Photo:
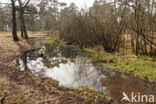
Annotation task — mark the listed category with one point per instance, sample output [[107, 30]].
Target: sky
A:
[[79, 3]]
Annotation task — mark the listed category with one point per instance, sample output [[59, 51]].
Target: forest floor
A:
[[17, 87]]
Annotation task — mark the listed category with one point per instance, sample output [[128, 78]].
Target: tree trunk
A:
[[23, 24], [137, 44], [22, 33], [132, 43], [21, 11], [14, 30]]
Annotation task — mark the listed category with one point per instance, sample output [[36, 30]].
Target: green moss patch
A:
[[141, 66]]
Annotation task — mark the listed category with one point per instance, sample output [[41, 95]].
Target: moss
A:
[[49, 41], [141, 66], [88, 95]]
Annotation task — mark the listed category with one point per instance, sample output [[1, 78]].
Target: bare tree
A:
[[22, 7], [14, 30]]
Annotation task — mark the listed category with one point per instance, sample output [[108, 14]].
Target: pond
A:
[[69, 66]]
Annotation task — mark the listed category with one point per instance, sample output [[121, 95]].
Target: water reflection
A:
[[68, 66]]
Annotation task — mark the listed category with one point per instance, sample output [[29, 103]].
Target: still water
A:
[[72, 69]]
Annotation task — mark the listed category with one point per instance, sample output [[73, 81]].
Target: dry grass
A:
[[54, 35], [22, 93], [9, 48]]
